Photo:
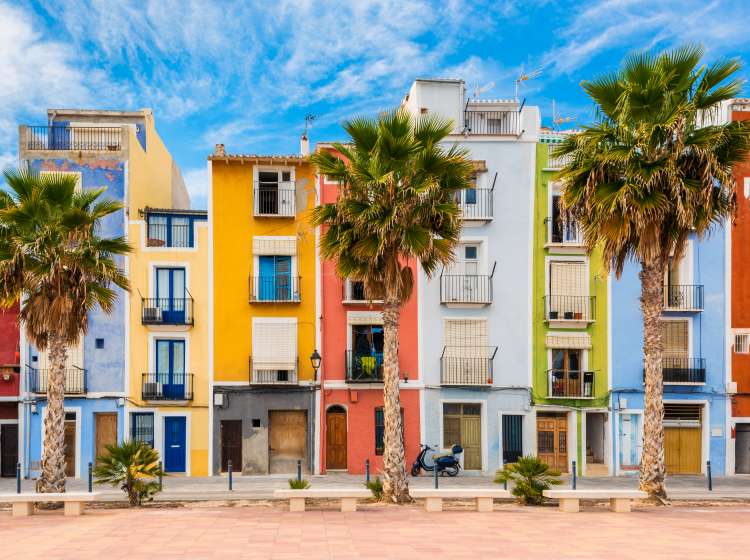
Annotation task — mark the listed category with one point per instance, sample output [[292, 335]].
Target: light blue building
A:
[[694, 366]]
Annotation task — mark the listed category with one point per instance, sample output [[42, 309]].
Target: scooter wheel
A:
[[452, 471], [415, 471]]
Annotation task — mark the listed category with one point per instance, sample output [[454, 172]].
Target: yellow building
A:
[[263, 312]]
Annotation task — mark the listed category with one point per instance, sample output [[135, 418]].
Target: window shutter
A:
[[74, 357], [274, 344], [578, 341], [742, 343], [675, 334], [466, 338], [567, 279], [274, 246]]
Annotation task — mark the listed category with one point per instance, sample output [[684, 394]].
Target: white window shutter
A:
[[274, 344], [274, 246]]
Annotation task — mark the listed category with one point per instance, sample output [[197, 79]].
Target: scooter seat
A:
[[441, 455]]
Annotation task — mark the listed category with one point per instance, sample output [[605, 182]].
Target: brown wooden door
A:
[[70, 448], [105, 431], [552, 441], [682, 450], [287, 440], [335, 440], [8, 449], [231, 445]]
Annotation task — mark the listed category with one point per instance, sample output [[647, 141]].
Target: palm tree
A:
[[654, 168], [396, 205], [53, 259]]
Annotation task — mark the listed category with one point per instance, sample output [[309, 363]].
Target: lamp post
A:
[[315, 359]]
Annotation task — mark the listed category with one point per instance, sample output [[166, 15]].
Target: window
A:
[[568, 289], [275, 278], [467, 358], [380, 429], [676, 343], [171, 291], [142, 427], [274, 195], [564, 229], [742, 343], [566, 377], [170, 369], [367, 353], [165, 230], [274, 358]]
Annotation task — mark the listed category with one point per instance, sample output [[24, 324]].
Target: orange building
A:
[[351, 328]]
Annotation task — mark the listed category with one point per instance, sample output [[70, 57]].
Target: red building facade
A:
[[10, 378], [351, 423]]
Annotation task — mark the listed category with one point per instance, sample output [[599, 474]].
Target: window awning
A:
[[274, 246], [581, 341], [480, 166]]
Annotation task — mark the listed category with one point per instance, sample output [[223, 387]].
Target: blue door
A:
[[174, 443], [275, 280], [170, 368], [170, 294]]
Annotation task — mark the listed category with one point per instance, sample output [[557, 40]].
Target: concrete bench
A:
[[619, 500], [433, 498], [347, 496], [23, 504]]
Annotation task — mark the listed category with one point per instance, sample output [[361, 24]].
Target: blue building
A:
[[121, 152], [694, 363]]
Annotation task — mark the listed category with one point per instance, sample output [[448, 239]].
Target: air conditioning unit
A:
[[150, 390], [152, 314]]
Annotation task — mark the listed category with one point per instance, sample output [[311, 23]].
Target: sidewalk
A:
[[261, 487]]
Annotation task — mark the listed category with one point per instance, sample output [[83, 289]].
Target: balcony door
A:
[[465, 273], [170, 294], [275, 193], [170, 368], [566, 372], [367, 351], [676, 356], [275, 278], [568, 289]]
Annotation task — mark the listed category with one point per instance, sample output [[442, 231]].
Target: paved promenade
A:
[[511, 532], [262, 487]]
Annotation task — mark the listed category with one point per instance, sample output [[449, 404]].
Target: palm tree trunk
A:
[[52, 477], [395, 485], [652, 460]]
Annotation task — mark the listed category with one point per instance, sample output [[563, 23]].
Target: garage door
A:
[[682, 438]]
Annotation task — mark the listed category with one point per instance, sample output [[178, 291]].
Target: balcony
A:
[[467, 365], [686, 298], [492, 123], [475, 204], [273, 374], [680, 370], [353, 292], [272, 202], [75, 138], [167, 386], [75, 380], [275, 289], [564, 236], [466, 289], [364, 367], [167, 311], [555, 162], [573, 384], [569, 311]]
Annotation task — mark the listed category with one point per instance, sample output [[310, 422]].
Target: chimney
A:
[[304, 145], [219, 150]]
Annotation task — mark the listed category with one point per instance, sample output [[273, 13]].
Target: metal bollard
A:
[[367, 471], [574, 480], [229, 474], [299, 469], [161, 484], [435, 475], [505, 484], [18, 478], [91, 478], [708, 473]]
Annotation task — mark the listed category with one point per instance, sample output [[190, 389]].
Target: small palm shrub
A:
[[376, 487], [134, 467], [530, 477], [299, 483]]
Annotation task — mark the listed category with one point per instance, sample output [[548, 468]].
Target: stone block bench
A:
[[23, 504], [347, 496], [433, 498], [619, 500]]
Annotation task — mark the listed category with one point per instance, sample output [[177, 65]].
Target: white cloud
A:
[[196, 181]]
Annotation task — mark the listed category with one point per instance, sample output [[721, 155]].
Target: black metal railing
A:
[[88, 138], [683, 297], [275, 289], [679, 369], [569, 308], [501, 123], [563, 231], [570, 383], [475, 204], [556, 162], [467, 365], [167, 311], [467, 288], [75, 380], [269, 374], [364, 366], [169, 235], [167, 386], [275, 201]]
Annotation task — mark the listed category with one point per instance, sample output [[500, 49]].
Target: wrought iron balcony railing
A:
[[167, 386], [467, 288], [271, 374], [363, 367], [570, 383], [167, 311], [563, 232], [467, 365], [475, 204], [555, 162], [684, 297], [75, 380], [495, 123], [680, 369], [569, 308], [78, 138], [275, 202], [275, 289]]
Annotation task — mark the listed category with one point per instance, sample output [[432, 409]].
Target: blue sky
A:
[[246, 73]]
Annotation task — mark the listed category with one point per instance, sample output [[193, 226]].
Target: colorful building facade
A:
[[10, 383], [570, 386], [263, 313]]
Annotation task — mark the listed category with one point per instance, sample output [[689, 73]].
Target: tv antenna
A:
[[309, 118], [558, 119], [525, 77], [480, 90]]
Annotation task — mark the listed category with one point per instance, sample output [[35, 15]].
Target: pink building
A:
[[9, 390]]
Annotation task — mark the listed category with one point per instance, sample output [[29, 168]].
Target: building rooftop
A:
[[183, 211], [99, 113]]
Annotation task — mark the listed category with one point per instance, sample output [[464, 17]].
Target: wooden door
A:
[[682, 449], [552, 441], [70, 448], [462, 425], [105, 431], [287, 440], [336, 440], [8, 449], [231, 445], [471, 441]]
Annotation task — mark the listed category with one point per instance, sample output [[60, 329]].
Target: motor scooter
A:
[[446, 463]]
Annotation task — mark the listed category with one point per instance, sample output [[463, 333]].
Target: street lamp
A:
[[315, 362]]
